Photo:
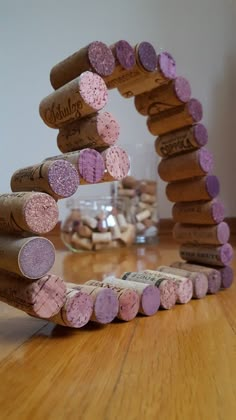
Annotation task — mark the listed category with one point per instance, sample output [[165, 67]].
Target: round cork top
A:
[[147, 56], [101, 58], [93, 90], [125, 55], [91, 165], [212, 185], [167, 65], [41, 213], [63, 178], [182, 89], [195, 109], [200, 134], [36, 257], [108, 128]]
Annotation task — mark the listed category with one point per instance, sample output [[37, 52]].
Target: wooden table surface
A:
[[179, 364]]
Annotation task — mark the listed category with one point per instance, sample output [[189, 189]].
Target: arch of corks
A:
[[87, 139]]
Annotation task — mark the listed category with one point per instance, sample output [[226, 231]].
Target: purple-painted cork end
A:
[[212, 185], [147, 56], [223, 232], [218, 211], [91, 165], [150, 300], [167, 65], [214, 282], [101, 58], [226, 254], [125, 54], [227, 276], [200, 134], [182, 89], [205, 160], [195, 109], [63, 178], [36, 258], [106, 306]]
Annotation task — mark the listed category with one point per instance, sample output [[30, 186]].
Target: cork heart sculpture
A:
[[87, 139]]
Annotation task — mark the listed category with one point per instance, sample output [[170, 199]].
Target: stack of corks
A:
[[187, 167], [139, 205]]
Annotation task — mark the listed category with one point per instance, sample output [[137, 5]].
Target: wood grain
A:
[[179, 364]]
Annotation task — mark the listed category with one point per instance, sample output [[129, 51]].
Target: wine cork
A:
[[76, 311], [59, 179], [80, 97], [84, 231], [117, 163], [148, 187], [175, 118], [183, 285], [199, 280], [127, 237], [166, 287], [81, 243], [203, 254], [96, 57], [88, 162], [149, 295], [198, 189], [126, 192], [204, 213], [180, 141], [42, 298], [197, 234], [188, 165], [227, 276], [96, 132], [30, 257], [129, 182], [164, 71], [167, 96], [143, 215], [128, 300], [28, 211], [90, 221], [148, 198], [105, 302], [101, 237], [122, 222], [124, 62], [213, 276]]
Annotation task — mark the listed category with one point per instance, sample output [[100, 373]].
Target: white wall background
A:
[[37, 34]]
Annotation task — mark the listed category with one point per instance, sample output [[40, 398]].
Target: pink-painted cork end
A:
[[50, 295], [128, 305], [223, 232], [117, 162], [101, 58], [184, 290], [147, 56], [205, 159], [182, 89], [108, 128], [167, 65], [36, 257], [214, 281], [200, 285], [63, 178], [91, 165], [93, 90], [167, 294], [200, 134], [195, 109], [41, 213], [124, 54], [218, 211], [78, 310]]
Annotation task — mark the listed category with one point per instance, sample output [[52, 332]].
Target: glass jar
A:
[[96, 224], [138, 192]]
